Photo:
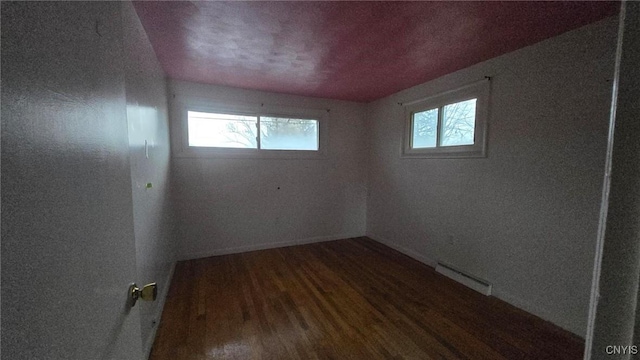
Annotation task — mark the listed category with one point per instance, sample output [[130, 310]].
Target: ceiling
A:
[[358, 51]]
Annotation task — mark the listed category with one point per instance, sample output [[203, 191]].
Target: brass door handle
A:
[[148, 292]]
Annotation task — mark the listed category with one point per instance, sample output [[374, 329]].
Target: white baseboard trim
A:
[[496, 291], [263, 246], [410, 253], [162, 298]]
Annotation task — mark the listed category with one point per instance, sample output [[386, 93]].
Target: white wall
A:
[[147, 117], [615, 311], [68, 252], [524, 218], [230, 205]]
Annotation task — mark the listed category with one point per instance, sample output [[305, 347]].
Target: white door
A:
[[68, 251]]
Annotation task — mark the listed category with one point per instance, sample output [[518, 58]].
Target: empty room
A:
[[320, 180]]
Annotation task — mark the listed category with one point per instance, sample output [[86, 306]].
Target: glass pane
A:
[[458, 123], [222, 130], [288, 134], [424, 129]]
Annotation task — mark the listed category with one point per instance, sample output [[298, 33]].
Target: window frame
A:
[[180, 126], [478, 90]]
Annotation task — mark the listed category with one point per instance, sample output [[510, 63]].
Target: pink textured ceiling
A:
[[359, 51]]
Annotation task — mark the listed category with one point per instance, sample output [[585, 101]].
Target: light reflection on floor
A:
[[237, 349]]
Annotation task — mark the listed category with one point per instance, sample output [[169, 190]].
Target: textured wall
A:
[[148, 122], [231, 205], [68, 251], [524, 218]]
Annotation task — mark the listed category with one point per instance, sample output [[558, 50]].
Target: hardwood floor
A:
[[346, 299]]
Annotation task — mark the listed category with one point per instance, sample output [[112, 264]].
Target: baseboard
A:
[[409, 252], [480, 285], [162, 298], [496, 291], [263, 246]]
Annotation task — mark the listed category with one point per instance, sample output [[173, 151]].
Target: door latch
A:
[[148, 292]]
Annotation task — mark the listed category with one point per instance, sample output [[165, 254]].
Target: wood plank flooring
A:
[[345, 299]]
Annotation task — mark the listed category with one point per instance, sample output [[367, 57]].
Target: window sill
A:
[[443, 154], [211, 153]]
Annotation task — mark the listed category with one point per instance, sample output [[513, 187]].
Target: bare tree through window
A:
[[457, 125], [425, 128], [222, 130], [288, 134], [241, 131]]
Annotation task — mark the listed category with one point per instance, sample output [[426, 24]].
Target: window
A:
[[239, 131], [222, 130], [213, 130], [288, 134], [448, 125]]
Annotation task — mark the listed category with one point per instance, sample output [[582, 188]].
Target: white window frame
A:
[[180, 123], [478, 90]]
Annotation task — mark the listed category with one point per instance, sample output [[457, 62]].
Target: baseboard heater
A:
[[479, 285]]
